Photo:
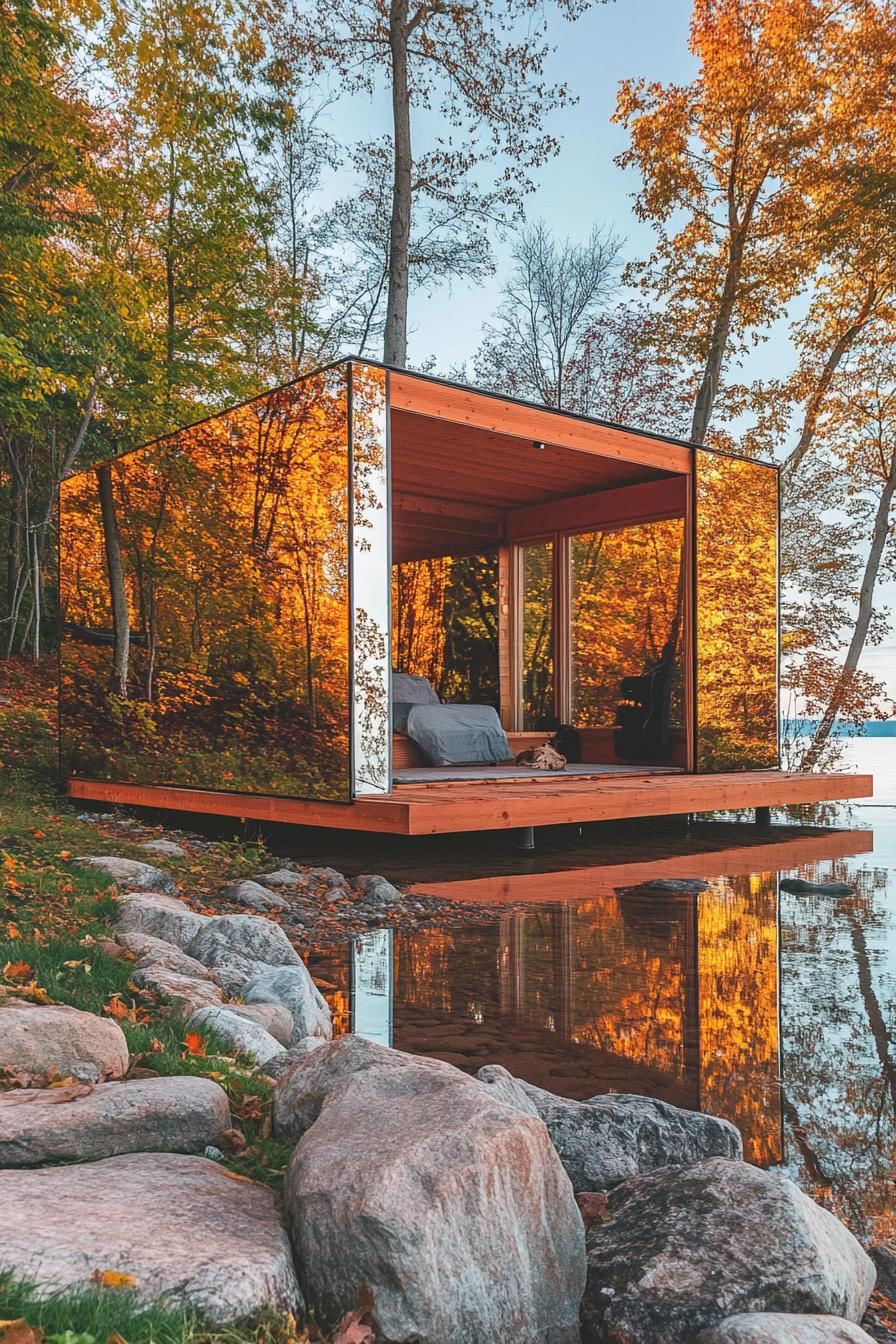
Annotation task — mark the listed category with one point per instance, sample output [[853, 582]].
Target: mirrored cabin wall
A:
[[205, 607], [736, 628], [370, 579]]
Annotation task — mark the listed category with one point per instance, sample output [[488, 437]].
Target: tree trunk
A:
[[121, 619], [718, 341], [14, 540], [863, 619], [395, 341], [813, 406], [170, 295]]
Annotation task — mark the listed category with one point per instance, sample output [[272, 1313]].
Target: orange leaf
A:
[[195, 1043], [17, 970], [115, 1008], [20, 1332], [12, 931], [113, 1278], [65, 853], [353, 1329]]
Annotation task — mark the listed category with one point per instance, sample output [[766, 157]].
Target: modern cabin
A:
[[355, 600]]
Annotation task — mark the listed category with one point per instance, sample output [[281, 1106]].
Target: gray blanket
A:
[[459, 734]]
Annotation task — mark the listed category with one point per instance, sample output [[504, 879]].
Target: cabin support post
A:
[[527, 838], [764, 818]]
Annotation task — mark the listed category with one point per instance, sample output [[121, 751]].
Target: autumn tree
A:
[[540, 331], [727, 166], [481, 69]]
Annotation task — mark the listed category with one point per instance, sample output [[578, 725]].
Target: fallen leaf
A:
[[232, 1140], [353, 1329], [20, 1332], [17, 970], [115, 1008], [12, 932], [593, 1207], [236, 1176], [113, 1278], [73, 1093], [194, 1043]]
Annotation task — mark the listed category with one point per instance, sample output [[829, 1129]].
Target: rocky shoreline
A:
[[444, 1208]]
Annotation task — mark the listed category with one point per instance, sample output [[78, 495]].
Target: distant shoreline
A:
[[871, 728]]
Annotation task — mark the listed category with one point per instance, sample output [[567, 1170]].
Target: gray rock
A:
[[611, 1138], [293, 988], [186, 1232], [775, 1327], [163, 917], [167, 848], [272, 1016], [239, 1034], [149, 949], [148, 1115], [238, 946], [799, 886], [504, 1087], [38, 1041], [453, 1209], [305, 880], [280, 1065], [686, 1247], [255, 896], [186, 993], [131, 874], [375, 890], [300, 1096], [684, 885]]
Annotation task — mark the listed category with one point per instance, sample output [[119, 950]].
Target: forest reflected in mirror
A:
[[737, 614], [204, 603], [771, 1009]]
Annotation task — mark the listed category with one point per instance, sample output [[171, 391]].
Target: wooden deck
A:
[[444, 808]]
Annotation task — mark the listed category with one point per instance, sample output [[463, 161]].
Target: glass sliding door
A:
[[537, 630], [736, 638]]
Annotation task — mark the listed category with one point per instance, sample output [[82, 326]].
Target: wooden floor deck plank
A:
[[445, 808]]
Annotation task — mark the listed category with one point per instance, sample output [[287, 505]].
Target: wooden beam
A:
[[435, 506], [421, 396], [601, 510]]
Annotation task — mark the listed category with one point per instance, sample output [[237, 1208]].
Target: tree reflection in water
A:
[[777, 1012]]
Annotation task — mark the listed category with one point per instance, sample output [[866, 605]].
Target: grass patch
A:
[[105, 1316]]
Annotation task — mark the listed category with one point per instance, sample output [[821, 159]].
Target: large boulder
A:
[[238, 946], [151, 951], [41, 1041], [184, 993], [610, 1138], [255, 896], [293, 989], [451, 1208], [148, 1115], [272, 1016], [179, 1225], [685, 1247], [376, 891], [301, 1095], [163, 917], [131, 874], [280, 1065], [310, 881], [775, 1327], [239, 1034]]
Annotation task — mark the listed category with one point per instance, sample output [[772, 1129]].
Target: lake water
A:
[[775, 1010]]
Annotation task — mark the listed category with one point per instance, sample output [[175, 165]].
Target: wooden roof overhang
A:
[[471, 471]]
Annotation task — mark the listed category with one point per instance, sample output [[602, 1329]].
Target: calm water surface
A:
[[775, 1010]]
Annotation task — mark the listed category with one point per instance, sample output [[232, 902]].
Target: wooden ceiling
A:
[[453, 484]]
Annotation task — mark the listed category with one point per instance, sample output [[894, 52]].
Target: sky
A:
[[582, 186]]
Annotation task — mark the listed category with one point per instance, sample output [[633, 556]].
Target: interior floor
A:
[[431, 774]]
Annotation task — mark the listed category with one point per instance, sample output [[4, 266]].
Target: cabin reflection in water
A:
[[670, 995]]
